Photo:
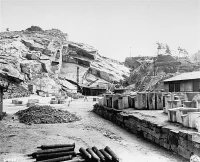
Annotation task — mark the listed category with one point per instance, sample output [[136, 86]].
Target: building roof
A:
[[185, 76]]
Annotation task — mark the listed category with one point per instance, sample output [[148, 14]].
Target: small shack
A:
[[93, 91], [120, 90], [185, 82]]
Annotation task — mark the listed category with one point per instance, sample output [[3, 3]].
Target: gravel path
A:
[[18, 139]]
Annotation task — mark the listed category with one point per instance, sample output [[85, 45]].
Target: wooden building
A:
[[185, 82], [93, 91], [120, 90]]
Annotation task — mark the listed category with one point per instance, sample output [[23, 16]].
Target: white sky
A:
[[111, 26]]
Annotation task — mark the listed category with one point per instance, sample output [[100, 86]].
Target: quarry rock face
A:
[[46, 57], [147, 73]]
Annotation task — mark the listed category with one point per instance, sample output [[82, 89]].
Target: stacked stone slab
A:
[[179, 141], [17, 102], [185, 110], [58, 100], [141, 101], [32, 102]]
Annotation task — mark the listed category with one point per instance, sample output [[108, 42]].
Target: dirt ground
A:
[[17, 139]]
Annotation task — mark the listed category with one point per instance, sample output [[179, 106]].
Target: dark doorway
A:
[[171, 87], [195, 86]]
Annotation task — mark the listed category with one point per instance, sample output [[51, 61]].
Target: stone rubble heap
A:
[[45, 115], [15, 92]]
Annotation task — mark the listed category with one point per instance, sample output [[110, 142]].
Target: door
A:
[[177, 87], [171, 87], [195, 86], [1, 100]]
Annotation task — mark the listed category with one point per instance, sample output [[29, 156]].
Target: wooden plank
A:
[[1, 100]]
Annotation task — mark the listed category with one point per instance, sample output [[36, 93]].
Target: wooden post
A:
[[1, 100]]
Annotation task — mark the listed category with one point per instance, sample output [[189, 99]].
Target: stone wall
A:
[[181, 142]]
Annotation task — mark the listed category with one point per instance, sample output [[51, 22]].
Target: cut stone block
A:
[[167, 104], [14, 101], [172, 114], [185, 120], [184, 110], [142, 100], [120, 103], [54, 102], [151, 101], [159, 101], [131, 101], [30, 104], [125, 101], [183, 152], [198, 124], [33, 100], [61, 101], [19, 102], [192, 116], [170, 104], [187, 103], [101, 101], [114, 100], [176, 103]]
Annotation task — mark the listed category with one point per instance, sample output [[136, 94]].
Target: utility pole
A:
[[40, 83], [77, 75], [178, 60], [154, 64], [154, 70], [130, 51]]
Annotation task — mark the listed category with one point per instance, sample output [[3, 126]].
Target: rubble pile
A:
[[16, 92], [45, 115]]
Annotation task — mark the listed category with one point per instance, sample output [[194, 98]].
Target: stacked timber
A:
[[54, 153], [66, 152], [98, 155]]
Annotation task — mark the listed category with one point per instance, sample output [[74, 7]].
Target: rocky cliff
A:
[[148, 72], [48, 60]]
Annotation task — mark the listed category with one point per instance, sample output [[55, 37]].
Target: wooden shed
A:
[[93, 91], [185, 82]]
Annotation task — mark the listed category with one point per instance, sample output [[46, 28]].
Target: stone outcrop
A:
[[46, 57], [147, 73]]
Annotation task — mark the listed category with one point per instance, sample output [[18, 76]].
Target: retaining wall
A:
[[179, 141]]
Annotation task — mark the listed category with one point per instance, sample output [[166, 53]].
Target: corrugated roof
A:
[[185, 76]]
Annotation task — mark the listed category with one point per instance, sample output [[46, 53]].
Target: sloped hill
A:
[[195, 58], [45, 58], [92, 65], [150, 73]]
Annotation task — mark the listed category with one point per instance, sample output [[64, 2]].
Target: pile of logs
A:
[[95, 155], [65, 152], [54, 153]]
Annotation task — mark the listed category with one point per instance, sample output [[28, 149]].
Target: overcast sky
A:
[[111, 26]]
